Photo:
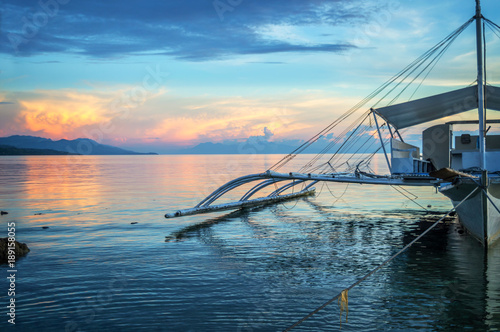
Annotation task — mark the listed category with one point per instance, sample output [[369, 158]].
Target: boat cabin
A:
[[440, 149]]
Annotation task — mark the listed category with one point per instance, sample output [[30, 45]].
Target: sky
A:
[[161, 75]]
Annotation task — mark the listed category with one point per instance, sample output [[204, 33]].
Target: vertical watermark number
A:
[[11, 261]]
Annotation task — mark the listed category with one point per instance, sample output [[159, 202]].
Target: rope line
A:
[[419, 68], [491, 201], [400, 190], [336, 297], [340, 197]]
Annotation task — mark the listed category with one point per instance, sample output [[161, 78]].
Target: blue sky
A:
[[150, 75]]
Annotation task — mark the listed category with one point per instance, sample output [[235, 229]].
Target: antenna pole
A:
[[480, 86]]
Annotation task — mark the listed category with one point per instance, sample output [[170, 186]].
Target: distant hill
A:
[[260, 147], [7, 150], [82, 146]]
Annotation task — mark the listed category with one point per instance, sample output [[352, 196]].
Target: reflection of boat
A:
[[493, 289], [462, 294], [465, 168]]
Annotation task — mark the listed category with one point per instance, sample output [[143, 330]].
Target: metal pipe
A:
[[285, 187], [245, 179], [258, 187], [238, 205], [353, 179], [480, 86], [224, 189], [382, 142]]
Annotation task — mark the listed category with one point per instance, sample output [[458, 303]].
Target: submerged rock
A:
[[3, 212], [21, 249]]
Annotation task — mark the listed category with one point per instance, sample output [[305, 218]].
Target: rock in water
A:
[[3, 212], [21, 249]]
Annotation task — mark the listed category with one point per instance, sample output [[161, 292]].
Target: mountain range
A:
[[20, 144], [262, 147]]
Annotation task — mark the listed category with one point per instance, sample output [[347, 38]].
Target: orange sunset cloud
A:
[[61, 114], [171, 119]]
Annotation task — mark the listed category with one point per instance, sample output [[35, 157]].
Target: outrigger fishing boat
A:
[[465, 167]]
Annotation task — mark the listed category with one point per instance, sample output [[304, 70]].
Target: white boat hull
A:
[[479, 214]]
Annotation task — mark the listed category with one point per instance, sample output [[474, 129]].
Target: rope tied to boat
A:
[[339, 297]]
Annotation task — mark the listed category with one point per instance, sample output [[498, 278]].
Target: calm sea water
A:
[[110, 261]]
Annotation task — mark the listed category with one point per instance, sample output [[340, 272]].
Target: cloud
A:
[[164, 118], [53, 113], [190, 30], [267, 133], [216, 120], [6, 103]]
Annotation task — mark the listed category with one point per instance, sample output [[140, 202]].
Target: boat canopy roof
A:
[[438, 106]]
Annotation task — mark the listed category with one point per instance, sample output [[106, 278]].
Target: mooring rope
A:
[[345, 291], [491, 201], [486, 194]]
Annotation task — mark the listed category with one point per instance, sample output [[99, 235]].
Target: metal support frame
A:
[[480, 86], [228, 187], [399, 135], [382, 142], [390, 130], [270, 177], [258, 187], [290, 185], [396, 131], [231, 185]]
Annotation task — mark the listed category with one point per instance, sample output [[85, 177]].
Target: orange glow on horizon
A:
[[241, 124], [167, 119]]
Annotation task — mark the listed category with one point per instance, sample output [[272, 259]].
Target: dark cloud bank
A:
[[194, 30]]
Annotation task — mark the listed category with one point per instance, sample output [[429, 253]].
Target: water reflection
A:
[[47, 185], [493, 288], [444, 282], [258, 270]]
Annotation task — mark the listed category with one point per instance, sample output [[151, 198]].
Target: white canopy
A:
[[439, 106]]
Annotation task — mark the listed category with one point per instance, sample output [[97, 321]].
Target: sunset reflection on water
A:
[[92, 218]]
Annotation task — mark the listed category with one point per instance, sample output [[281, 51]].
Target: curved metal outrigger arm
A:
[[270, 178], [230, 186], [260, 186], [290, 185]]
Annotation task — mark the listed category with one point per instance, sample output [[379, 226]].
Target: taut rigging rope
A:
[[425, 62]]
